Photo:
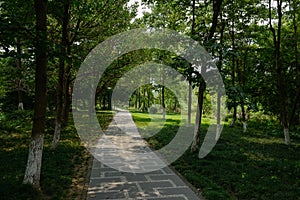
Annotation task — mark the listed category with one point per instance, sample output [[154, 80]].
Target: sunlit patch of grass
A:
[[269, 140], [258, 157], [105, 118]]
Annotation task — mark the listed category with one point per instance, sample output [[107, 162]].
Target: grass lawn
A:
[[64, 171], [252, 165]]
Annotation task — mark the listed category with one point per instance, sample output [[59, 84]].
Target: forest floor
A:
[[252, 165], [64, 171]]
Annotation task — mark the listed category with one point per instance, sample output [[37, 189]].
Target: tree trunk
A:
[[19, 66], [217, 4], [109, 94], [279, 70], [163, 104], [67, 82], [144, 107], [219, 65], [244, 118], [196, 138], [34, 162], [242, 82], [67, 101], [139, 97], [233, 77], [297, 65], [20, 96], [61, 72], [190, 104], [218, 131], [136, 100], [149, 96]]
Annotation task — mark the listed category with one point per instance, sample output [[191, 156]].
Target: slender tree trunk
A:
[[109, 99], [217, 4], [244, 118], [34, 162], [19, 66], [233, 77], [218, 131], [190, 74], [219, 65], [136, 100], [297, 64], [175, 106], [67, 101], [144, 100], [163, 96], [279, 70], [67, 81], [196, 138], [139, 98], [163, 102], [242, 82], [20, 96], [61, 72], [149, 96], [190, 104]]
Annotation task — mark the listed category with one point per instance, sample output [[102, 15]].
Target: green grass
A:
[[58, 167], [252, 165]]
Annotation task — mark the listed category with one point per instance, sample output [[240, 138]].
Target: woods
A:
[[254, 44]]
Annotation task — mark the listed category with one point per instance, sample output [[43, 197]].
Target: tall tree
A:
[[282, 97], [34, 162], [61, 72], [217, 5], [294, 9]]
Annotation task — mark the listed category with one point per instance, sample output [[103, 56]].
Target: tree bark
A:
[[217, 4], [61, 72], [19, 66], [67, 80], [34, 162], [163, 96], [244, 118], [242, 83], [196, 138], [233, 77], [139, 98], [279, 70], [297, 65], [189, 104], [67, 100], [219, 65]]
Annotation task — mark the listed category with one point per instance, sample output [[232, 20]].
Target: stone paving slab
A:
[[163, 184]]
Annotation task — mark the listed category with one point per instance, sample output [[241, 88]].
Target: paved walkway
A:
[[118, 180]]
